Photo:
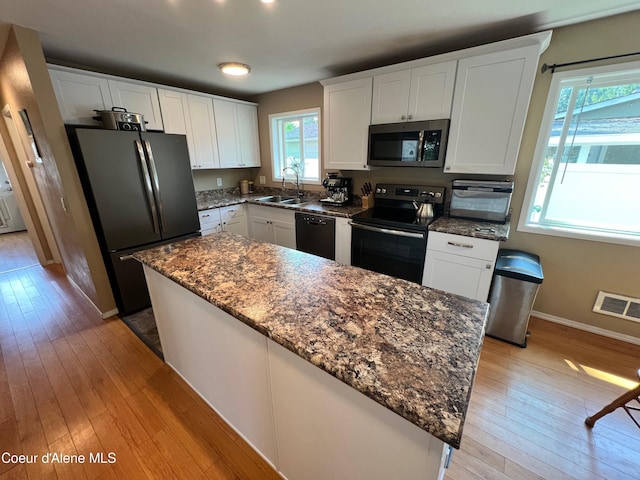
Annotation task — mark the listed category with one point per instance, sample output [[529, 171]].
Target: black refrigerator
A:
[[140, 194]]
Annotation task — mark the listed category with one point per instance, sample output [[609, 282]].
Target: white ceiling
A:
[[287, 43]]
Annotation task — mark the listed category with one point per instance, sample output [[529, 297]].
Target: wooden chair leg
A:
[[621, 401]]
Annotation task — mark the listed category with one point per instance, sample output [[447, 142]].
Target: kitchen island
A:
[[327, 370]]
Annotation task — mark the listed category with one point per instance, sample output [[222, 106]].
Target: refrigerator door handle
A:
[[148, 188], [156, 184]]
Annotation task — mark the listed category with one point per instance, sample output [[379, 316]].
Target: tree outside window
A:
[[584, 179]]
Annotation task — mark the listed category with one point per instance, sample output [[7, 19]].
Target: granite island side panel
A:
[[412, 349]]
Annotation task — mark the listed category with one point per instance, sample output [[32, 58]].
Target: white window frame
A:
[[621, 72], [276, 144]]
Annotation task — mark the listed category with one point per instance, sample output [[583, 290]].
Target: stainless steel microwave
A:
[[408, 144]]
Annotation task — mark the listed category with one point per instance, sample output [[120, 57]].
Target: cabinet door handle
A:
[[463, 245], [207, 215], [410, 117]]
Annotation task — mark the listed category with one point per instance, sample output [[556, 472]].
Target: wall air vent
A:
[[618, 306]]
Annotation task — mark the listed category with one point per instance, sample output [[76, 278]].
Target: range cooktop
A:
[[395, 206]]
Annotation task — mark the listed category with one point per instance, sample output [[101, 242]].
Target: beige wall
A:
[[25, 83], [288, 100], [574, 269], [231, 177]]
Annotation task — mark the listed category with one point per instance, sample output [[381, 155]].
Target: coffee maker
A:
[[338, 190]]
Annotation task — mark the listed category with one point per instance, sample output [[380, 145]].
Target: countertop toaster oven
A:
[[481, 200]]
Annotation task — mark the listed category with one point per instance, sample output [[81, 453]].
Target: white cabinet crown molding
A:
[[542, 39], [107, 76]]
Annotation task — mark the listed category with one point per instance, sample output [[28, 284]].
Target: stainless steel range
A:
[[391, 237]]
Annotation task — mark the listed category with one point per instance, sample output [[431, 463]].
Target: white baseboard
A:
[[104, 315], [587, 328]]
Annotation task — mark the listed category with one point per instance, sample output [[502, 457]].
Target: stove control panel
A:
[[418, 193]]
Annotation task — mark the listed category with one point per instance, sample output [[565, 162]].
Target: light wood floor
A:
[[528, 406], [75, 384], [16, 251]]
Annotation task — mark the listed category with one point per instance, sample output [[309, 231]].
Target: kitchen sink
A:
[[276, 199], [282, 200]]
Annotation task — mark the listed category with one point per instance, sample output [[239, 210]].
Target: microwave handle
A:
[[421, 138]]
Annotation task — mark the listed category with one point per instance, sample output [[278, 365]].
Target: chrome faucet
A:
[[297, 180]]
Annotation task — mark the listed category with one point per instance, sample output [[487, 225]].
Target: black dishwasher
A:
[[316, 234]]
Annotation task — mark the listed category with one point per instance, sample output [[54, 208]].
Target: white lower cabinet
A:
[[326, 429], [306, 423], [210, 221], [343, 241], [234, 220], [272, 225], [460, 265], [221, 358], [225, 219]]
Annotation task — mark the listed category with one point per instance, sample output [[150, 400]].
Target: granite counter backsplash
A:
[[412, 349]]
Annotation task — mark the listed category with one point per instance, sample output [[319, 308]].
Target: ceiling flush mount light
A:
[[234, 68]]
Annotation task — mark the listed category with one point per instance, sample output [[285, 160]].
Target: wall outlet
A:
[[219, 181], [263, 180]]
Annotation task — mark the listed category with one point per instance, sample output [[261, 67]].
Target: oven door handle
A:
[[388, 231]]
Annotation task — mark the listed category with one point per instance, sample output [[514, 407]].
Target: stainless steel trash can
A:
[[516, 280]]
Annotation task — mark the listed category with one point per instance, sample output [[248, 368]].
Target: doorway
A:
[[31, 231], [16, 249]]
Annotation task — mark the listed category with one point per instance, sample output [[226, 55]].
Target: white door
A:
[[10, 218]]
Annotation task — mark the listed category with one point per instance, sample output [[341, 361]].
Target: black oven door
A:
[[398, 253]]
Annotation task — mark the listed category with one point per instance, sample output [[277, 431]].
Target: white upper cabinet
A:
[[230, 135], [421, 93], [490, 106], [347, 114], [176, 118], [237, 126], [79, 94], [137, 98], [203, 128], [248, 135], [229, 141], [192, 116]]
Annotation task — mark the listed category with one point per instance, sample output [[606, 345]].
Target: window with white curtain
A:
[[295, 145], [585, 177]]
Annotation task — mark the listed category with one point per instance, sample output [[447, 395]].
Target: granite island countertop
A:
[[412, 349]]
